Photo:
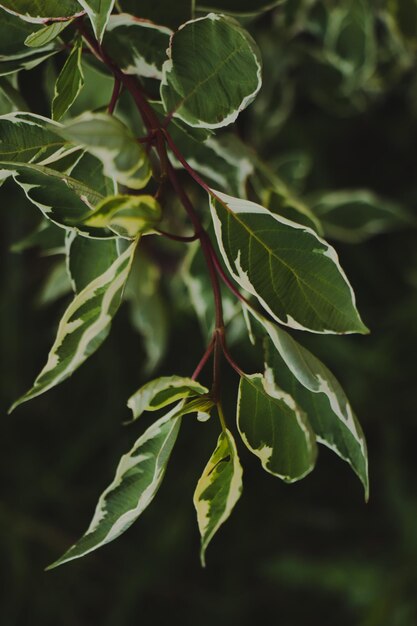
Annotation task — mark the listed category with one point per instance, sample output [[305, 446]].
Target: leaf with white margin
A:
[[275, 429], [46, 34], [294, 274], [162, 391], [218, 489], [126, 215], [108, 139], [138, 478], [39, 12], [213, 72], [88, 258], [69, 82], [99, 13], [84, 326], [28, 138], [137, 46], [316, 390]]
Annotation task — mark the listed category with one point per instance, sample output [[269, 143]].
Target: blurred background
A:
[[337, 122]]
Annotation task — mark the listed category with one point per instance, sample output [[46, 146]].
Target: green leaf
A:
[[137, 46], [356, 215], [160, 11], [27, 138], [108, 139], [69, 83], [126, 215], [46, 34], [99, 13], [238, 7], [294, 273], [319, 394], [55, 286], [88, 258], [138, 478], [48, 237], [212, 74], [275, 429], [84, 326], [163, 391], [218, 489], [40, 11], [149, 313]]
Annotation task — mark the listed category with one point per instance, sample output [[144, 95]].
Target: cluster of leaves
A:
[[115, 182]]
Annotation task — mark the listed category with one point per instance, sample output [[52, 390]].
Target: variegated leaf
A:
[[126, 215], [36, 11], [319, 394], [108, 139], [275, 429], [138, 478], [99, 13], [88, 258], [163, 391], [294, 274], [205, 56], [218, 489], [84, 325], [29, 138], [137, 46], [69, 82], [46, 34]]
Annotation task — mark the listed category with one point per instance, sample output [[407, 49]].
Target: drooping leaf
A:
[[108, 139], [39, 12], [315, 389], [126, 215], [356, 215], [84, 326], [46, 34], [163, 391], [99, 13], [293, 273], [138, 478], [218, 489], [213, 72], [88, 258], [137, 46], [69, 83], [275, 429]]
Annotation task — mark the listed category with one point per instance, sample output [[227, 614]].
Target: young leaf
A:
[[163, 391], [88, 258], [218, 489], [319, 394], [99, 13], [293, 273], [213, 72], [108, 139], [138, 478], [126, 215], [137, 46], [84, 326], [46, 34], [275, 429], [69, 83], [40, 12]]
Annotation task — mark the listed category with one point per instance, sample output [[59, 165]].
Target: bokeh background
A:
[[338, 112]]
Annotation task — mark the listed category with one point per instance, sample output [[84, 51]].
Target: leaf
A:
[[46, 34], [213, 72], [160, 392], [356, 215], [126, 215], [99, 13], [138, 478], [39, 12], [108, 139], [160, 11], [48, 237], [28, 138], [88, 258], [294, 273], [149, 313], [319, 394], [275, 429], [137, 46], [55, 286], [69, 83], [238, 7], [84, 326], [218, 489], [26, 61]]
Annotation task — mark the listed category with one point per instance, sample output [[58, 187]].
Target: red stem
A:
[[203, 360], [115, 96]]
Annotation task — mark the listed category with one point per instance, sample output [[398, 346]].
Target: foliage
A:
[[109, 180]]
